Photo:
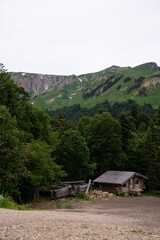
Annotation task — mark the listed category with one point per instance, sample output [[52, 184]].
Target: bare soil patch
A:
[[114, 218]]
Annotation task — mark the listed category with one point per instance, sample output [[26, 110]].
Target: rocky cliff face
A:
[[38, 84]]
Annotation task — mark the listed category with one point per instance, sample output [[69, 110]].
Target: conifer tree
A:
[[151, 163]]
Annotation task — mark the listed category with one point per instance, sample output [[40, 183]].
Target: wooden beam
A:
[[73, 182], [88, 187]]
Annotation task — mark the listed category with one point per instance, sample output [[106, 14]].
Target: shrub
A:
[[122, 194], [143, 92], [82, 196], [7, 202], [137, 84], [119, 86], [127, 79]]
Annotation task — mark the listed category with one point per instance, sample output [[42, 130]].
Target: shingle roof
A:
[[116, 177]]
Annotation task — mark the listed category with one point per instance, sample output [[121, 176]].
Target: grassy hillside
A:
[[115, 84]]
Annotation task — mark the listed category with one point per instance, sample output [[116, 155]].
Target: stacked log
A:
[[61, 192], [67, 189]]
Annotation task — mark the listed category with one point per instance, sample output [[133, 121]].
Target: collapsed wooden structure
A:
[[121, 182], [65, 189]]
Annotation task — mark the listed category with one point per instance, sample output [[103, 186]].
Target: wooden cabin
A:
[[121, 182]]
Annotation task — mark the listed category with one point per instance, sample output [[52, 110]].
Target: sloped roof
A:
[[116, 177]]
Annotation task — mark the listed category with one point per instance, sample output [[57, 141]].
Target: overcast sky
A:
[[78, 36]]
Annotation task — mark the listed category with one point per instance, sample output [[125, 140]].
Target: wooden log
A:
[[57, 186], [73, 182], [64, 190], [83, 187], [88, 187], [61, 192]]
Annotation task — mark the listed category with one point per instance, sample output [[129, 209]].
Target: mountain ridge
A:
[[114, 84]]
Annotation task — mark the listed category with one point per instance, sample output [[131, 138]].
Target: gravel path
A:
[[93, 223]]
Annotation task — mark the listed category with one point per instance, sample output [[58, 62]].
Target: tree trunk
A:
[[36, 193]]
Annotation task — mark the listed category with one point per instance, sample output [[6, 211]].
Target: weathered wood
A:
[[56, 186], [73, 182], [69, 190], [61, 192], [88, 187]]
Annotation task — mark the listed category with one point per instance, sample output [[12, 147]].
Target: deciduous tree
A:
[[73, 154]]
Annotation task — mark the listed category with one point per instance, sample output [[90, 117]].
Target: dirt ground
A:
[[115, 218]]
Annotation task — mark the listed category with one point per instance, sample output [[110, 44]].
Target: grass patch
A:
[[142, 232], [138, 231], [7, 202], [58, 204], [106, 195], [84, 226], [68, 206], [82, 196], [154, 193]]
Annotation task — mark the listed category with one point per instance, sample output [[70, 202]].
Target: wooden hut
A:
[[121, 182]]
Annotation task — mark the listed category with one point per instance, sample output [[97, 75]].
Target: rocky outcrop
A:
[[38, 84]]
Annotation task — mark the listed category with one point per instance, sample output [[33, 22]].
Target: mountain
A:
[[115, 84]]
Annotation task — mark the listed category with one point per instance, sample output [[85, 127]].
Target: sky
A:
[[78, 36]]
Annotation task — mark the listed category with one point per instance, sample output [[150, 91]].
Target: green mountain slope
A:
[[115, 84]]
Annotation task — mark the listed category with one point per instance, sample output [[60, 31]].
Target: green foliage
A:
[[104, 141], [127, 79], [137, 84], [12, 159], [41, 127], [60, 125], [122, 194], [150, 158], [68, 206], [7, 202], [58, 204], [126, 131], [43, 171], [82, 196], [154, 193], [26, 139], [75, 112], [83, 125], [73, 154]]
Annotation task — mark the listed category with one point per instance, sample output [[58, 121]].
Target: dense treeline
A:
[[26, 144], [37, 151], [75, 112]]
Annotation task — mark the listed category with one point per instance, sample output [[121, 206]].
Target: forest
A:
[[38, 149]]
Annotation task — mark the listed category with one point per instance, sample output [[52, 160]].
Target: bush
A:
[[82, 196], [127, 79], [119, 86], [7, 202], [122, 194], [137, 84]]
